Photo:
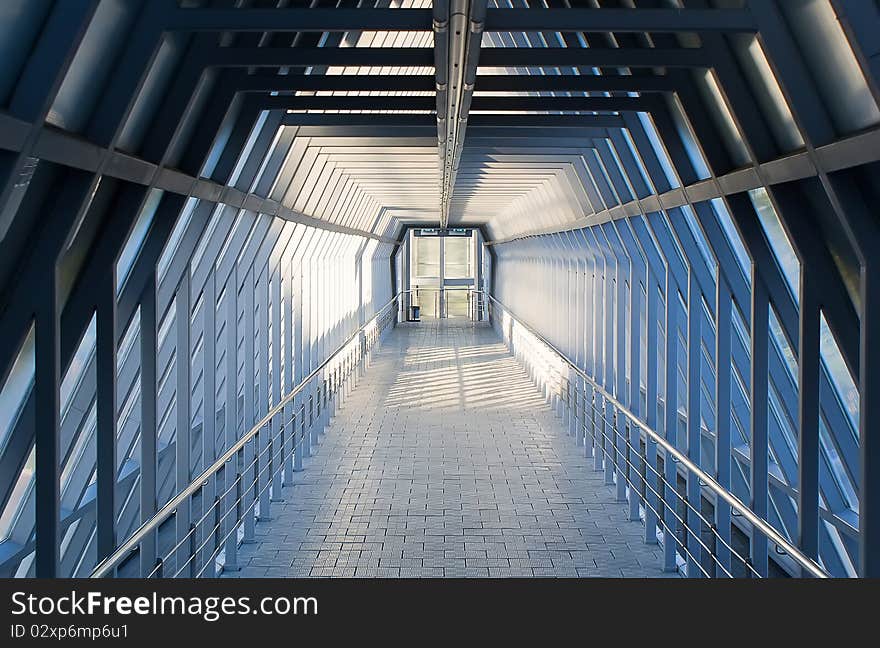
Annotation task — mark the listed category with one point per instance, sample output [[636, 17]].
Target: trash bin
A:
[[414, 313]]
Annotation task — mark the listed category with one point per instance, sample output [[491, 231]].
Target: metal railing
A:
[[236, 490], [625, 447], [475, 308]]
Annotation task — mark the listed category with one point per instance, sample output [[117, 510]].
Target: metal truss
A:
[[636, 167]]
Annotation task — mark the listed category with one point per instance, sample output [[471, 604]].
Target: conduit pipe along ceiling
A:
[[458, 30], [160, 155]]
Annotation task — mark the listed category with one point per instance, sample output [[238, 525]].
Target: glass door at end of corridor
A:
[[425, 275], [442, 272]]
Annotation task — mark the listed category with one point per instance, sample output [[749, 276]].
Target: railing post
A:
[[310, 428], [596, 429], [620, 465], [263, 472], [233, 512], [253, 486], [275, 459], [192, 560], [248, 503], [305, 437], [288, 444], [217, 529], [582, 433], [609, 417]]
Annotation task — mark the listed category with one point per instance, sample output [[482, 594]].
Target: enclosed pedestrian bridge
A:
[[450, 289]]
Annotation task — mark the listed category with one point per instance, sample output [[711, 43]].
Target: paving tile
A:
[[446, 461]]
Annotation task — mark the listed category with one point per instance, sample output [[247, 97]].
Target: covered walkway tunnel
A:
[[449, 289]]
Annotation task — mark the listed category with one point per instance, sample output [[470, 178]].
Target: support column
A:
[[277, 441], [869, 425], [105, 373], [183, 423], [652, 483], [670, 474], [635, 393], [694, 361], [758, 401], [263, 443], [289, 438], [620, 379], [723, 369], [299, 412], [230, 423], [209, 413], [148, 458], [809, 361], [47, 381], [250, 448]]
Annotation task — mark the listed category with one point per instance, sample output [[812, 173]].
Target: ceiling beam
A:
[[620, 20], [503, 20], [573, 83], [336, 82], [491, 104], [557, 104], [517, 125], [301, 20], [479, 137], [489, 57], [593, 57], [311, 56], [484, 83]]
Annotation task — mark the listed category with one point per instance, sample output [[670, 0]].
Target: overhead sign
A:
[[434, 231]]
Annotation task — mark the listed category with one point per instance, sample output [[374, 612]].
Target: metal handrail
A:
[[756, 521], [106, 566], [437, 291]]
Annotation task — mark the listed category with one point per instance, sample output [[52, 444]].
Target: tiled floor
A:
[[445, 461]]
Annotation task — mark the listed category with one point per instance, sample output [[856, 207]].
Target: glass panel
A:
[[174, 240], [457, 258], [17, 497], [659, 150], [427, 256], [136, 238], [456, 303], [733, 237], [782, 249], [16, 388], [426, 299], [78, 365], [840, 376]]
